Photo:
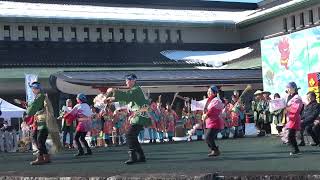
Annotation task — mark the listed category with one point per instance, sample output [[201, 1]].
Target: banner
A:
[[290, 58], [198, 105], [276, 104], [30, 78]]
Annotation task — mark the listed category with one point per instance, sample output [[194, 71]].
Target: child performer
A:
[[124, 115], [187, 119], [155, 117], [96, 127], [118, 119], [171, 118], [66, 127], [82, 114], [161, 125], [199, 122], [107, 119], [227, 119]]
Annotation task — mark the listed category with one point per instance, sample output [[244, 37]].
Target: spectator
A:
[[266, 113], [277, 116], [257, 108], [309, 115]]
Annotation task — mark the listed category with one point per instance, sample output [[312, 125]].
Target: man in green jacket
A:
[[36, 109], [139, 119]]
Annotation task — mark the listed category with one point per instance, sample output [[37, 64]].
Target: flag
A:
[[30, 78]]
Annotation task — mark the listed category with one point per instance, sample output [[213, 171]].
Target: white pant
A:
[[8, 140], [1, 141]]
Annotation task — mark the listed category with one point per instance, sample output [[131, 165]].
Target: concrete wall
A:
[[188, 34], [275, 25]]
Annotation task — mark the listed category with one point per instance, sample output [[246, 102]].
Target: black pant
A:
[[316, 131], [42, 135], [132, 137], [292, 140], [65, 132], [210, 138], [80, 136], [243, 124], [267, 128], [279, 129], [312, 130]]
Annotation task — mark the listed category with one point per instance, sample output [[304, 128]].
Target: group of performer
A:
[[216, 117]]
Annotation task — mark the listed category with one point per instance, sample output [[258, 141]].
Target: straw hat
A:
[[266, 92], [258, 92]]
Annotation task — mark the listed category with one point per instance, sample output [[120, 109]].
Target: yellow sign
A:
[[314, 89], [312, 82]]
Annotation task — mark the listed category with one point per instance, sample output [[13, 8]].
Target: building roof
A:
[[161, 77], [213, 58], [163, 4], [93, 54], [63, 13], [126, 13], [250, 60]]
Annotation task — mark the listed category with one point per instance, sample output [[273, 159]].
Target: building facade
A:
[[60, 42]]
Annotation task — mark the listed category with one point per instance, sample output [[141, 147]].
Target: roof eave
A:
[[55, 20]]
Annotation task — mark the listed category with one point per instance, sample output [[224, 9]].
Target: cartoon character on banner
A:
[[284, 49]]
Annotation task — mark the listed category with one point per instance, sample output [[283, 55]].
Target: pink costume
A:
[[294, 107], [82, 113], [214, 120]]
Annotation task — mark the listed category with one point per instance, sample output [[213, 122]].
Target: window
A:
[[179, 36], [87, 34], [168, 34], [311, 16], [21, 33], [146, 35], [122, 35], [285, 24], [73, 34], [47, 32], [99, 31], [60, 34], [111, 31], [35, 33], [7, 33], [157, 40], [293, 22], [301, 19], [134, 32]]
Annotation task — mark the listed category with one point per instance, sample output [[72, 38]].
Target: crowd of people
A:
[[109, 124], [112, 125], [291, 117]]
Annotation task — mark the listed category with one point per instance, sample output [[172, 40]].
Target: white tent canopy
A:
[[10, 111]]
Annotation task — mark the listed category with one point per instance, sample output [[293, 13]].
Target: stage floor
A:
[[266, 155]]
